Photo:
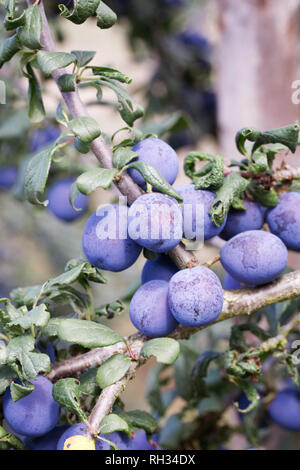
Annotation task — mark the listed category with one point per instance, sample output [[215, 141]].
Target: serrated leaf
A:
[[85, 128], [81, 10], [112, 370], [153, 177], [37, 172], [106, 17], [67, 393], [83, 57], [122, 156], [33, 363], [48, 62], [29, 35], [166, 350], [25, 295], [211, 176], [87, 333], [67, 82], [230, 194], [113, 423], [94, 179]]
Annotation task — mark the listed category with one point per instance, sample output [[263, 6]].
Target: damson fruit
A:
[[142, 442], [243, 221], [105, 239], [195, 208], [8, 176], [149, 310], [59, 203], [159, 154], [285, 409], [230, 283], [47, 442], [155, 222], [255, 257], [195, 296], [160, 269], [284, 220], [33, 415], [120, 439]]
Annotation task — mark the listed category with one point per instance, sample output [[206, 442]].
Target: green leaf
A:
[[268, 198], [48, 62], [113, 423], [250, 392], [67, 393], [85, 128], [88, 383], [36, 108], [259, 163], [39, 316], [19, 352], [228, 195], [9, 48], [140, 419], [61, 115], [153, 177], [128, 108], [37, 172], [166, 350], [12, 23], [83, 57], [81, 11], [19, 391], [171, 434], [247, 133], [81, 147], [68, 277], [122, 156], [111, 309], [209, 177], [29, 35], [6, 377], [87, 333], [173, 123], [67, 82], [109, 72], [106, 17], [52, 328], [199, 372], [288, 136], [112, 370], [94, 179], [25, 295]]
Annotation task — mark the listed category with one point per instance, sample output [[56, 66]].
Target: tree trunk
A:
[[257, 64]]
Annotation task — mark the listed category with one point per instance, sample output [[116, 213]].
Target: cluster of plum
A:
[[35, 419]]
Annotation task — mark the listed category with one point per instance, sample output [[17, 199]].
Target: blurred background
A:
[[202, 69]]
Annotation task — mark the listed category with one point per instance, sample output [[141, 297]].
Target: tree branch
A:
[[241, 302]]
